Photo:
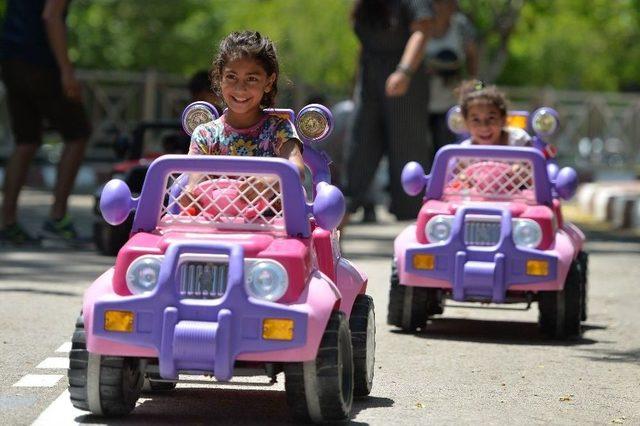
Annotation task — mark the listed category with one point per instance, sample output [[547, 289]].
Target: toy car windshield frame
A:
[[153, 192], [542, 187]]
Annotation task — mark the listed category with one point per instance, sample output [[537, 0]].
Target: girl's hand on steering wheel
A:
[[254, 187]]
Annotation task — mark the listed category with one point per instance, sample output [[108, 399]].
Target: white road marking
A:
[[39, 380], [55, 363], [60, 413], [65, 348]]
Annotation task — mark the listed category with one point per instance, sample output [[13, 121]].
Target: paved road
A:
[[471, 365]]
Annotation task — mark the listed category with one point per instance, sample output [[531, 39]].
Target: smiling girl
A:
[[484, 109], [245, 75]]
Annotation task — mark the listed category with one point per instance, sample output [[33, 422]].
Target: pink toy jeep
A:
[[224, 277], [491, 230]]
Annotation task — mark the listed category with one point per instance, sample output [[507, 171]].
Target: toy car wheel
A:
[[104, 385], [110, 239], [435, 302], [583, 261], [363, 339], [322, 390], [560, 311], [407, 305]]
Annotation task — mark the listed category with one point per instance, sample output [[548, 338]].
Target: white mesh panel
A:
[[232, 201], [508, 179]]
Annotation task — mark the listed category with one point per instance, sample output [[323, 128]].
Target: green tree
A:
[[316, 46]]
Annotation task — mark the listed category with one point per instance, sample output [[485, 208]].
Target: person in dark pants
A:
[[40, 85], [451, 51], [200, 89], [391, 97]]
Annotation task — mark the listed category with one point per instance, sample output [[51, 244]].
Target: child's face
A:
[[244, 82], [485, 123]]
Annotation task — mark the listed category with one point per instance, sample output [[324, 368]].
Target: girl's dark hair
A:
[[475, 91], [246, 44], [372, 13]]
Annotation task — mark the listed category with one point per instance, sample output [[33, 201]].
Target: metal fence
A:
[[115, 102], [598, 130]]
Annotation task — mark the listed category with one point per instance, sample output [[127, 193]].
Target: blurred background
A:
[[578, 56]]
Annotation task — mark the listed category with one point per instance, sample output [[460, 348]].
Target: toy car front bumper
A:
[[200, 335], [476, 272]]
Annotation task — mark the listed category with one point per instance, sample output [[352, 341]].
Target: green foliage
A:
[[576, 44], [315, 43]]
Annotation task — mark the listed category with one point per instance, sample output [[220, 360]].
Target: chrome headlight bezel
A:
[[441, 223], [533, 239], [154, 262], [279, 276]]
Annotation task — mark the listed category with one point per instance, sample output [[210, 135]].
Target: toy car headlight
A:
[[438, 228], [544, 121], [266, 280], [526, 233], [143, 274]]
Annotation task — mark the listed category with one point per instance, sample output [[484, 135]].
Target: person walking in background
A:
[[390, 100], [337, 144], [451, 51], [200, 89], [40, 85]]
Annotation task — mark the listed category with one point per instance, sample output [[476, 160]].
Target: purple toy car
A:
[[214, 281], [491, 230]]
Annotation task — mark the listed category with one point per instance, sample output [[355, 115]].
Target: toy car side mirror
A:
[[328, 206], [413, 178], [197, 113], [116, 202], [566, 183], [314, 123]]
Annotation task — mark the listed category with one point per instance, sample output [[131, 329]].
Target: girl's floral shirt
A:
[[264, 139]]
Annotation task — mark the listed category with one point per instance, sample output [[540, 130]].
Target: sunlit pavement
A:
[[479, 364]]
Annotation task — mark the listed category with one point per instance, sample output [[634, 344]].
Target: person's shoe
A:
[[61, 230], [369, 215], [16, 235]]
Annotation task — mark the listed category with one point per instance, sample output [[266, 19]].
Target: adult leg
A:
[[364, 153], [409, 140], [440, 130], [68, 167], [15, 175]]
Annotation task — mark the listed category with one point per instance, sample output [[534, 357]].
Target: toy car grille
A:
[[508, 179], [481, 233], [203, 280], [237, 201]]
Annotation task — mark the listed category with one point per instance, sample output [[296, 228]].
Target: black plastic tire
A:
[[560, 311], [363, 339], [110, 239], [435, 302], [583, 262], [104, 385], [322, 390], [407, 305], [396, 298]]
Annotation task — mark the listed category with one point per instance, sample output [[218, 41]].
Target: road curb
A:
[[614, 202]]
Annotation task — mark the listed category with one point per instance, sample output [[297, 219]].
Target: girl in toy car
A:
[[484, 110]]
